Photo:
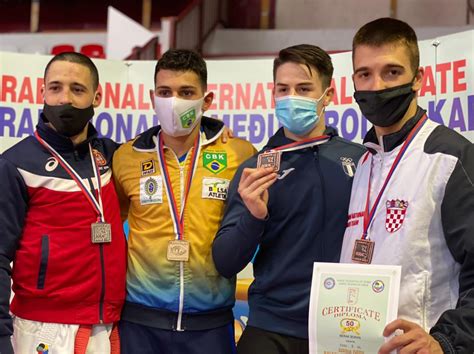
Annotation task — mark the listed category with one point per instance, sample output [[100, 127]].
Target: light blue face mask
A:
[[298, 114]]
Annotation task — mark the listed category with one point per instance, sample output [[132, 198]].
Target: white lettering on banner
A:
[[243, 97]]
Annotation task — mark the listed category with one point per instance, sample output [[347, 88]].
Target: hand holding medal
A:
[[254, 184]]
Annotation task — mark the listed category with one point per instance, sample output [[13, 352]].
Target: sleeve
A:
[[455, 328], [239, 235], [122, 197], [14, 204]]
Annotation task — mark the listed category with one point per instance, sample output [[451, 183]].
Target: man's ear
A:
[[327, 98], [207, 101], [418, 82], [43, 91], [97, 99]]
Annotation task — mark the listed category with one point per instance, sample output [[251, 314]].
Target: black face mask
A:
[[68, 120], [386, 107]]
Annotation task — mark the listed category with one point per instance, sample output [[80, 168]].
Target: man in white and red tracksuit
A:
[[412, 201], [61, 225]]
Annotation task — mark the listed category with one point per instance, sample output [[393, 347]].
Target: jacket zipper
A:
[[181, 263]]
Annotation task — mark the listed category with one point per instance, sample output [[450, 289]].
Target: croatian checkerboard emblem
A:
[[396, 211]]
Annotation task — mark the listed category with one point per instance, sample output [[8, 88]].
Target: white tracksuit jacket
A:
[[425, 223]]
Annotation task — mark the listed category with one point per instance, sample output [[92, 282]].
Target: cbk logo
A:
[[215, 162]]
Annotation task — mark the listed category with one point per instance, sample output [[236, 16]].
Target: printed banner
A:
[[243, 94]]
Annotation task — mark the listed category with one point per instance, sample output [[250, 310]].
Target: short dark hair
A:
[[309, 55], [388, 30], [183, 60], [77, 58]]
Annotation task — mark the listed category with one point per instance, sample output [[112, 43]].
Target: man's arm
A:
[[13, 207], [455, 328], [244, 220]]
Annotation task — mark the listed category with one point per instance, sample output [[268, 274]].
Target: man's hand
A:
[[253, 189], [227, 134], [413, 340]]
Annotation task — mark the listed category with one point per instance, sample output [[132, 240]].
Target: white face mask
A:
[[177, 116]]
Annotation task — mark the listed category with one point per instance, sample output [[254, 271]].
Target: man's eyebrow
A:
[[362, 68], [305, 83]]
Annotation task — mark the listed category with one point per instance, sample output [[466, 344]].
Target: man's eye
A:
[[187, 93], [163, 93]]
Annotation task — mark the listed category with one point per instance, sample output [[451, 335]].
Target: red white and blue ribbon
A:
[[94, 200], [177, 215], [369, 215], [298, 145]]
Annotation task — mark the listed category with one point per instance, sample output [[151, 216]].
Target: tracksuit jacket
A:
[[58, 274], [425, 223], [307, 213], [168, 294]]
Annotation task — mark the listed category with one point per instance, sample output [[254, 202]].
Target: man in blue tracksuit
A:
[[294, 210]]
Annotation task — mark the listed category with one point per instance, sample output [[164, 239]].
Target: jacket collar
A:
[[391, 141], [146, 142], [60, 142], [279, 138]]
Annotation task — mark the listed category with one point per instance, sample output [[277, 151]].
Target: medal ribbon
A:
[[369, 216], [94, 200], [176, 216], [297, 145]]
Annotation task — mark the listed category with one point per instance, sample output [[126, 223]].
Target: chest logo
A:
[[99, 158], [348, 166], [148, 167], [151, 190], [215, 188], [396, 211], [51, 164], [214, 161]]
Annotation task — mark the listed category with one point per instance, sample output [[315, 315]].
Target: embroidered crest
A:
[[215, 161], [99, 158], [348, 166], [151, 190], [396, 210]]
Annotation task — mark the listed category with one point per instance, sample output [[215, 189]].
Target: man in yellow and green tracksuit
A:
[[172, 183]]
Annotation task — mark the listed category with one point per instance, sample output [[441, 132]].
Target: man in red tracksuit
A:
[[61, 225]]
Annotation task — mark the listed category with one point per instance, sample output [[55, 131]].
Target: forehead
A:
[[290, 72], [377, 57], [67, 72], [174, 78]]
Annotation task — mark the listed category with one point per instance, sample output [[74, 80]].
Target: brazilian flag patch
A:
[[188, 118], [215, 161]]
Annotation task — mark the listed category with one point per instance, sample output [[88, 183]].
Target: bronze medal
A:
[[269, 159], [363, 251], [178, 250], [101, 232]]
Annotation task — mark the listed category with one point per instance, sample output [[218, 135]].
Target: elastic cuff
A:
[[444, 342]]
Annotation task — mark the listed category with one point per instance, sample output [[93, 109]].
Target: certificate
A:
[[350, 306]]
